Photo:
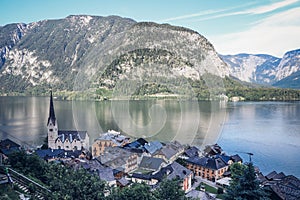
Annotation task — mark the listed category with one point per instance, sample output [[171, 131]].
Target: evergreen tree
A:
[[136, 191], [169, 190], [245, 186]]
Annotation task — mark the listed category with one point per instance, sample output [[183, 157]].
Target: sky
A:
[[232, 26]]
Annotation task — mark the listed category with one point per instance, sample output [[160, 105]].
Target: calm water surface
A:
[[269, 130]]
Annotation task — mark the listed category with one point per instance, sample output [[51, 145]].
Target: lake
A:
[[269, 130]]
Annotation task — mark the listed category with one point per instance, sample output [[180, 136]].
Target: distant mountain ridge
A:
[[266, 69]]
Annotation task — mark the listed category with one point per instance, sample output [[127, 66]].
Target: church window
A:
[[59, 147], [51, 129]]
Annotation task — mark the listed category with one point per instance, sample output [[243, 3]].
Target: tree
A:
[[45, 144], [237, 170], [244, 185], [169, 190], [136, 191], [74, 184]]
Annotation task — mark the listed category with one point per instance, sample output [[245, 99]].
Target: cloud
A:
[[203, 13], [274, 35], [272, 7], [223, 12]]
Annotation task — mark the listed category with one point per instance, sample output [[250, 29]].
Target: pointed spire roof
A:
[[51, 111]]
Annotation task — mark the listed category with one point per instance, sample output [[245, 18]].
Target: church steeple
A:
[[52, 125], [51, 117]]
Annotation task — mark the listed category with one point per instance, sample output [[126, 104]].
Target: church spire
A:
[[51, 111]]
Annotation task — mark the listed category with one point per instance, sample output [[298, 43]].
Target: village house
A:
[[230, 159], [212, 150], [147, 178], [172, 171], [106, 174], [190, 152], [137, 145], [122, 182], [64, 139], [280, 186], [109, 139], [211, 168], [151, 164], [152, 147], [116, 157], [181, 172], [170, 152]]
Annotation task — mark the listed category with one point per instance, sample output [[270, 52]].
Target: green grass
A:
[[208, 188]]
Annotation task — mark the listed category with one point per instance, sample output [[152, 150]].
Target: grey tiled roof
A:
[[213, 150], [236, 158], [57, 153], [271, 175], [153, 146], [114, 157], [116, 138], [286, 188], [7, 144], [192, 151], [174, 170], [179, 171], [106, 174], [123, 181], [207, 162], [170, 149], [150, 163]]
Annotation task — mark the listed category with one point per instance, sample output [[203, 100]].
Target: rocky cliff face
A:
[[53, 52], [10, 35], [289, 64], [49, 52], [252, 68]]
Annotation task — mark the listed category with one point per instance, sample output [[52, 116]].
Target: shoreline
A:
[[149, 97]]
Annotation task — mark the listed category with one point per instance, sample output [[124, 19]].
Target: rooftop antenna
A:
[[250, 155]]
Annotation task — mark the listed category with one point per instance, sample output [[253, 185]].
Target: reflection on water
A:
[[24, 118]]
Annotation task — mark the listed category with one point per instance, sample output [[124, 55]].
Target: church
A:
[[64, 139]]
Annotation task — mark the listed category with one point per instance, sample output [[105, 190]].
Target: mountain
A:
[[48, 52], [289, 70], [9, 36], [259, 68], [291, 81], [82, 52], [265, 69]]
